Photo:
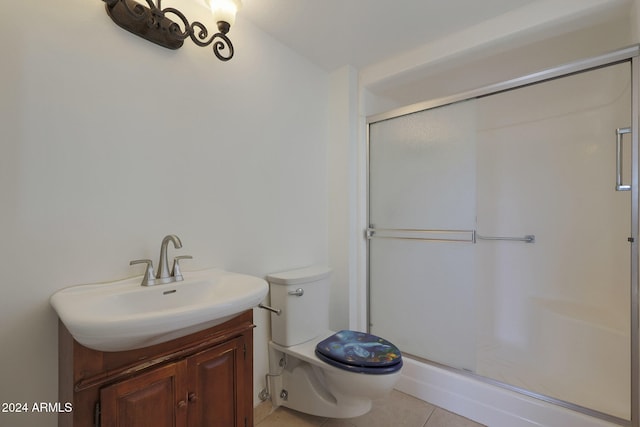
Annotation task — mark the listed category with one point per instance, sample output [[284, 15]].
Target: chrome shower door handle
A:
[[619, 185]]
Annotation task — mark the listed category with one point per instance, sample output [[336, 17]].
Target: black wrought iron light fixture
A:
[[150, 21]]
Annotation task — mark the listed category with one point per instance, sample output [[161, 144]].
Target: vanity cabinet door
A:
[[153, 399], [217, 386]]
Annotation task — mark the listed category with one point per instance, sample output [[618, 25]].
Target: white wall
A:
[[343, 190], [110, 142]]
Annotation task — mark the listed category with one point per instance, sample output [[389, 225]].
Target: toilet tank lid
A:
[[300, 275]]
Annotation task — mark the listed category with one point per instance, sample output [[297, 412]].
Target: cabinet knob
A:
[[182, 404], [192, 397]]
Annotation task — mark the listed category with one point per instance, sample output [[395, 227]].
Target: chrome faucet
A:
[[164, 275], [163, 263]]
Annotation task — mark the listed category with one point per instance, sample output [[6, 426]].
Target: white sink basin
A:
[[123, 315]]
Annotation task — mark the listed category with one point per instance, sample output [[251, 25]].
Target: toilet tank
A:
[[304, 316]]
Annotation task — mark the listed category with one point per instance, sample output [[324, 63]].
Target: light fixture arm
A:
[[152, 24], [198, 33]]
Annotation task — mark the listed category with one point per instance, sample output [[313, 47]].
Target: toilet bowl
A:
[[318, 371]]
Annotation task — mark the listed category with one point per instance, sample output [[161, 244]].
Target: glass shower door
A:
[[553, 316], [422, 207], [499, 242]]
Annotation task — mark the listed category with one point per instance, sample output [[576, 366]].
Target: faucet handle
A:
[[149, 275], [175, 270]]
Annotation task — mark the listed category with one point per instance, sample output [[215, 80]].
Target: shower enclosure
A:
[[503, 234]]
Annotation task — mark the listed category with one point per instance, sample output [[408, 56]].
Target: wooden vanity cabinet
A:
[[201, 380]]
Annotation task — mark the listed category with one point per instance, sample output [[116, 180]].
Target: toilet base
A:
[[301, 386]]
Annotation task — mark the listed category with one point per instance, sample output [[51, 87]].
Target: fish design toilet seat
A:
[[360, 352]]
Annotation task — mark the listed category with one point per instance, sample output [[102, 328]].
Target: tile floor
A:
[[399, 410]]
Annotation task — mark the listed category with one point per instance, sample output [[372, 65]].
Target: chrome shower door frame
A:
[[635, 279], [630, 54]]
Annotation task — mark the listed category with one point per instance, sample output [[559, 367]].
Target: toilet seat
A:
[[359, 352]]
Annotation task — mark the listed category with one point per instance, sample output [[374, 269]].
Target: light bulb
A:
[[224, 10]]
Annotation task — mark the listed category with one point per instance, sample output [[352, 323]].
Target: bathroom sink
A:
[[123, 315]]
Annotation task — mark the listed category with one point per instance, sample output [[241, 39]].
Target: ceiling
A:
[[405, 50], [333, 33]]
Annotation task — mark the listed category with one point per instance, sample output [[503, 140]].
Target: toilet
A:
[[315, 370]]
